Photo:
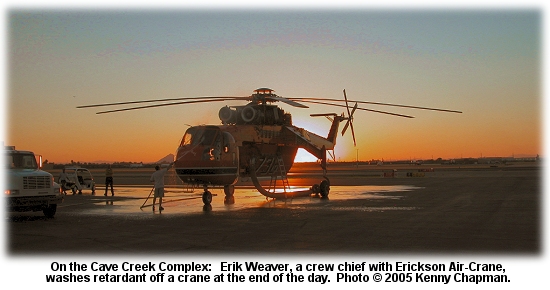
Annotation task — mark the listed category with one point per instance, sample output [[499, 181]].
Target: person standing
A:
[[158, 179], [64, 179], [109, 180]]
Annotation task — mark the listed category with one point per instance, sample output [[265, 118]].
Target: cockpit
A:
[[211, 139], [200, 136]]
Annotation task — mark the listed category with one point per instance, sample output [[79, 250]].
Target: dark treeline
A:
[[91, 165]]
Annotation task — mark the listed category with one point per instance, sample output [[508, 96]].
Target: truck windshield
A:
[[21, 161]]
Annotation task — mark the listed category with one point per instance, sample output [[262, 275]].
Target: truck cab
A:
[[28, 188]]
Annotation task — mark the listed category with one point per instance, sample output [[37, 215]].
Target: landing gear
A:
[[316, 189], [324, 188], [229, 190], [229, 200], [206, 197]]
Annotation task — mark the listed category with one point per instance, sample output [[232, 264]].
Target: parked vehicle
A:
[[28, 188], [80, 179]]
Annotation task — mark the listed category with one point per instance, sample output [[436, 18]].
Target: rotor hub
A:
[[263, 95]]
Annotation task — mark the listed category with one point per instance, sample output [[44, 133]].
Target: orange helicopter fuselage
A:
[[219, 155]]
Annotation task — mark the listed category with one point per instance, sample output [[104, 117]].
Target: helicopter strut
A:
[[274, 194]]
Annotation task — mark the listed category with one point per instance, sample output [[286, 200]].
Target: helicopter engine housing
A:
[[227, 115], [254, 114], [249, 114]]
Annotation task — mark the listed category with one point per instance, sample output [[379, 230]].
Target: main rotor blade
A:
[[323, 115], [363, 109], [162, 100], [287, 101], [161, 105], [379, 104]]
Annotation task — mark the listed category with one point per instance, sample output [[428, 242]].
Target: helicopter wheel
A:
[[316, 189], [207, 197], [229, 199], [324, 188], [229, 190]]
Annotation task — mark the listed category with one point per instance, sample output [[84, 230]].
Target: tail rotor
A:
[[349, 123]]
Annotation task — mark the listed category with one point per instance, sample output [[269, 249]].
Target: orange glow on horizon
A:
[[148, 146], [377, 60], [145, 144]]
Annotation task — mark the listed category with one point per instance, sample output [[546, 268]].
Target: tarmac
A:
[[443, 210]]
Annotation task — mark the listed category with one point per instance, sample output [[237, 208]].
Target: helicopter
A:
[[256, 141]]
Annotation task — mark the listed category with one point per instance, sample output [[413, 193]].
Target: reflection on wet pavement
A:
[[138, 200]]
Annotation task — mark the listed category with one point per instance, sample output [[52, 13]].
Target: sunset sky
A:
[[485, 63]]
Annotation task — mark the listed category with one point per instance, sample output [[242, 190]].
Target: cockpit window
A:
[[196, 136], [187, 137], [208, 136]]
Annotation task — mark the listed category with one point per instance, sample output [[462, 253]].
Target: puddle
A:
[[138, 200]]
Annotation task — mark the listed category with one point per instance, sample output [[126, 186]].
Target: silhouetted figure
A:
[[109, 180]]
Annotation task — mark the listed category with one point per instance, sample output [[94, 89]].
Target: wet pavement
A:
[[482, 211], [138, 200]]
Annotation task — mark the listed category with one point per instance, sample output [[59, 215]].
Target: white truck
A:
[[27, 187]]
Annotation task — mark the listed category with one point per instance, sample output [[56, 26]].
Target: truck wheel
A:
[[49, 212]]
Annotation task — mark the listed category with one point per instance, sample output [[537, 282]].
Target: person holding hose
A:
[[158, 179]]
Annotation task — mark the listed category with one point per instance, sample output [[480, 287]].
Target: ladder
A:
[[282, 173]]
